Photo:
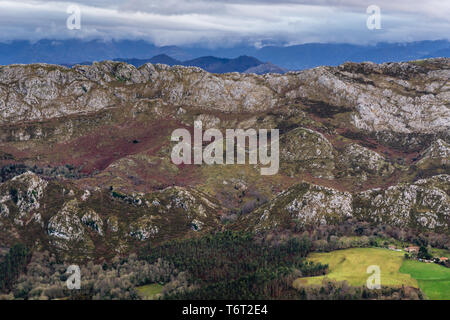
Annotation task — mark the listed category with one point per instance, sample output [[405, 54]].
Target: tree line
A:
[[13, 264], [232, 265]]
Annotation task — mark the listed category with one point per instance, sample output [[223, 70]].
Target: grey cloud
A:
[[168, 22]]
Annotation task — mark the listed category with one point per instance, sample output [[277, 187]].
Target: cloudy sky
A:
[[227, 22]]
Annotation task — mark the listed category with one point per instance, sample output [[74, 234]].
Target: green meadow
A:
[[434, 280], [149, 291], [351, 265]]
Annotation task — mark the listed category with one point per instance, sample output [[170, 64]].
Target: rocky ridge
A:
[[423, 205]]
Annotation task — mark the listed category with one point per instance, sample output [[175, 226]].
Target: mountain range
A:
[[294, 57], [85, 152], [87, 178]]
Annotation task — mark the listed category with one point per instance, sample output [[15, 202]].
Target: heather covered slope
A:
[[85, 151]]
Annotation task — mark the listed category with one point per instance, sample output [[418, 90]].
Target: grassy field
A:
[[434, 280], [351, 265], [149, 291]]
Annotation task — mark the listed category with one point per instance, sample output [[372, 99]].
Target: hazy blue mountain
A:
[[442, 53], [164, 59], [160, 58], [266, 68], [307, 55], [316, 54], [290, 57], [75, 51], [222, 65], [208, 63], [395, 52]]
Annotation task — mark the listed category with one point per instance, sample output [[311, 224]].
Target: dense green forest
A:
[[222, 265], [232, 265]]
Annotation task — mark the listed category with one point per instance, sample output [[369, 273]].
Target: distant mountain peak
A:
[[164, 59], [264, 68]]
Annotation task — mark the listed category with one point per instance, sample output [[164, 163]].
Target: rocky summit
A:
[[86, 172]]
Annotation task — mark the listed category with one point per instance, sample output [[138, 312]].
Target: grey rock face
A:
[[439, 150], [360, 161], [24, 193], [423, 205], [382, 97], [305, 204], [307, 150]]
